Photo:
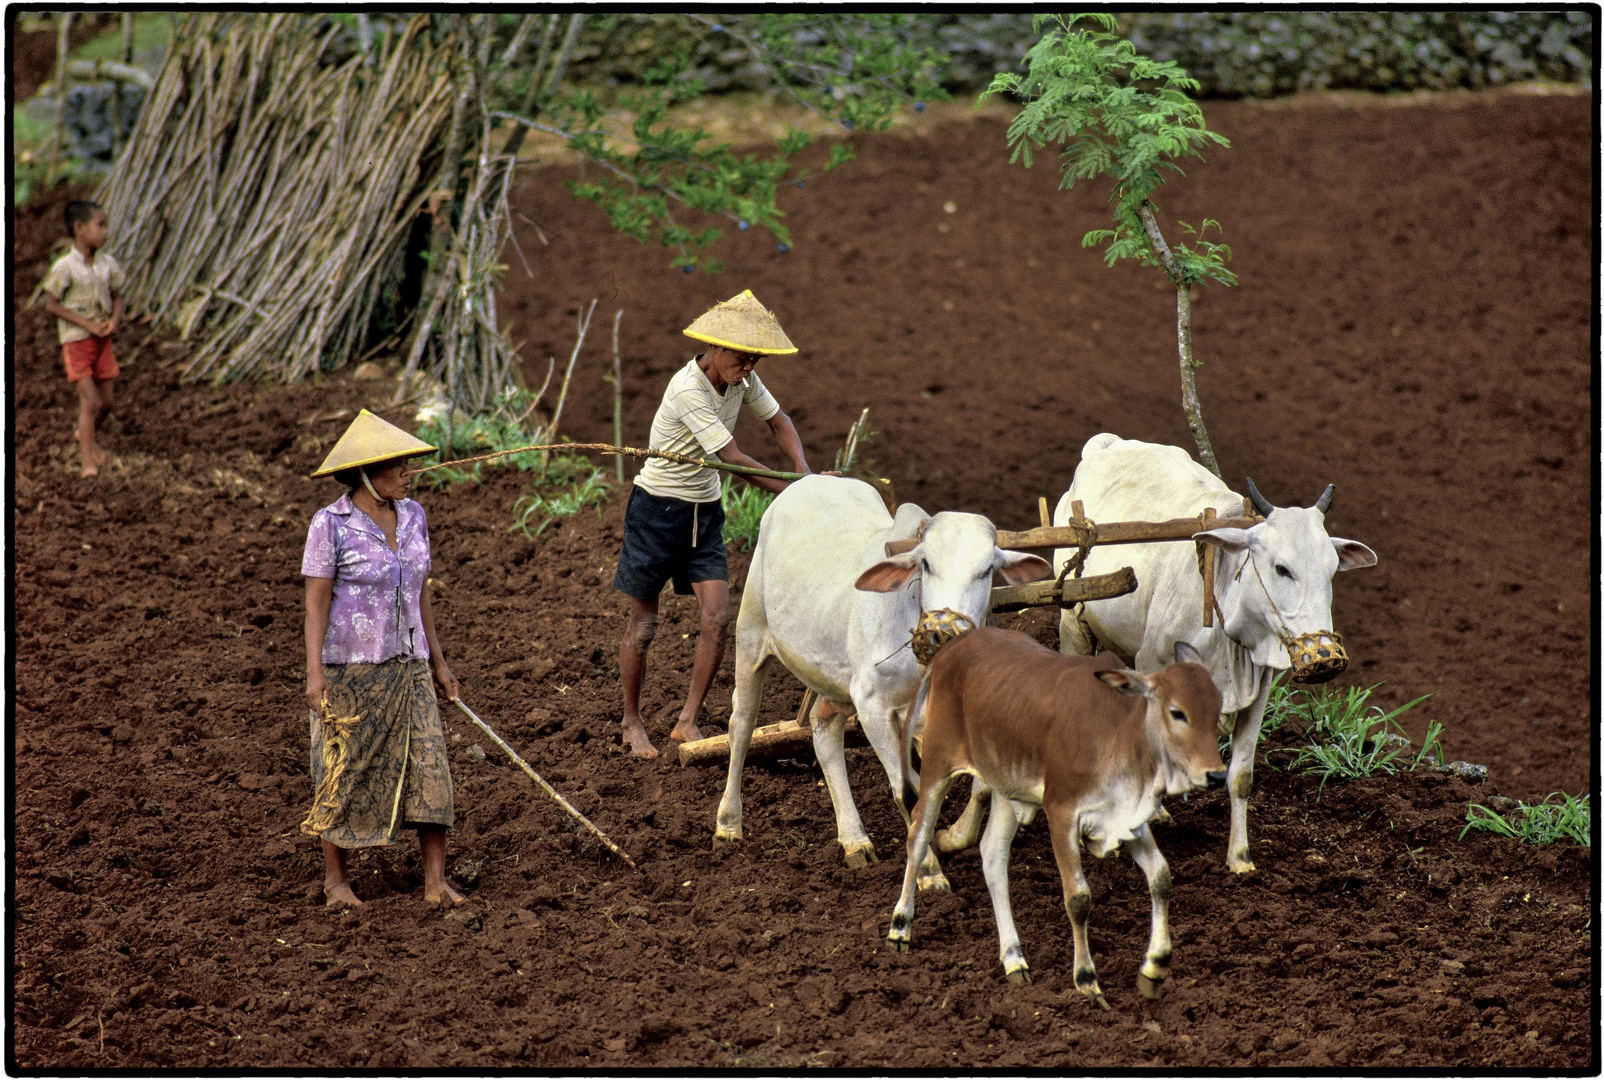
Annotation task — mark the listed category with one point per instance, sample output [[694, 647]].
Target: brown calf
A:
[[1095, 745]]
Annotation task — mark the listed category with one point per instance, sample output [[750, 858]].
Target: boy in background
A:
[[85, 290]]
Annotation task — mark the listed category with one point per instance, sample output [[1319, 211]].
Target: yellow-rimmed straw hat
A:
[[742, 324], [368, 441]]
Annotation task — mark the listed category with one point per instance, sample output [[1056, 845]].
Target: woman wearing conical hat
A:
[[673, 528], [371, 649]]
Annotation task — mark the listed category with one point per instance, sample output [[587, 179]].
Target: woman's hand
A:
[[445, 682], [317, 689]]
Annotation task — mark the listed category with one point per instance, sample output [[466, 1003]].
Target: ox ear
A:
[[1352, 555], [1186, 654], [1230, 539], [1126, 681], [1019, 568], [888, 575]]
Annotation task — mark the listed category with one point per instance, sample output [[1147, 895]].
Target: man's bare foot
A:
[[340, 896], [445, 894], [90, 469], [635, 736], [685, 731]]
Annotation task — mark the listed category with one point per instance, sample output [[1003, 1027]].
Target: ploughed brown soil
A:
[[1413, 324]]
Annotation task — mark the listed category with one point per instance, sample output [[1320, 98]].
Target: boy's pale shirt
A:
[[697, 421], [83, 289]]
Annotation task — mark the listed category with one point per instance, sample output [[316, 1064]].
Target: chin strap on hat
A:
[[363, 472]]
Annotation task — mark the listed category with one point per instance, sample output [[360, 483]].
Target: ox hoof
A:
[[1019, 976], [1102, 1002], [724, 837], [1152, 989], [937, 882], [899, 944], [1240, 865], [1163, 817], [858, 858]]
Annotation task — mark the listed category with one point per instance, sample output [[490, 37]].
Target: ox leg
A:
[[964, 833], [1150, 979], [995, 846], [925, 812], [1239, 780], [829, 747], [743, 720], [1064, 827]]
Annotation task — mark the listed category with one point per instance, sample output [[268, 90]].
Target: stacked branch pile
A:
[[266, 200]]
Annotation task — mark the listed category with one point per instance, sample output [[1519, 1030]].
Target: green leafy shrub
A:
[[1349, 738], [744, 506], [483, 434], [1569, 819], [568, 485]]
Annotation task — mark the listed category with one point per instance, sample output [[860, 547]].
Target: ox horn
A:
[[1260, 503], [1323, 503]]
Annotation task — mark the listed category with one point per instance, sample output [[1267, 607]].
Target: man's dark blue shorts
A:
[[658, 545]]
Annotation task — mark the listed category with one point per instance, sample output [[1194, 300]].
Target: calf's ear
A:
[[888, 575], [1352, 555], [1126, 681], [1229, 539], [1018, 568]]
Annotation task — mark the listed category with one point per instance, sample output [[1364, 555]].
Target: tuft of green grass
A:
[[568, 486], [744, 507], [1348, 735], [1543, 823]]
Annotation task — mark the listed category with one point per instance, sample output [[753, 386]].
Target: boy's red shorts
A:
[[90, 356]]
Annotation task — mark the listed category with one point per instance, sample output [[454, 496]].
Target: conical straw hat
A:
[[742, 324], [368, 441]]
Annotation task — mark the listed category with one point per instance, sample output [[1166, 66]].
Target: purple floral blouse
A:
[[377, 612]]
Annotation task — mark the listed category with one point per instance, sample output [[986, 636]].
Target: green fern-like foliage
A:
[[1117, 114], [855, 70]]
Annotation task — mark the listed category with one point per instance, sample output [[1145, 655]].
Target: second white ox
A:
[[1273, 583], [823, 599]]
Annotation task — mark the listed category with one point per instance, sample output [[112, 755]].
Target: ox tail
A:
[[910, 793]]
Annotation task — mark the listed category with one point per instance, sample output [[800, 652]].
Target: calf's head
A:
[[953, 564], [1277, 600], [1183, 712]]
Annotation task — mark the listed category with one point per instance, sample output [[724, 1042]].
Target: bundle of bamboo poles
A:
[[265, 202]]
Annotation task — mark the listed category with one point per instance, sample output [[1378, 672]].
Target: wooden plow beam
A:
[[785, 739]]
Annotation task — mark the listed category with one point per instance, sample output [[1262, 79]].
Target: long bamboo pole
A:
[[549, 790], [609, 448]]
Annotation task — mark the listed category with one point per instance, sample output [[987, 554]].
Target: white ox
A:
[[1273, 583], [823, 599]]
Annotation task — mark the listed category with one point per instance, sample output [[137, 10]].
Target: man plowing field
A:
[[674, 525]]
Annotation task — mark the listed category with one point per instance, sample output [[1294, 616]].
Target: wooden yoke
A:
[[1116, 532]]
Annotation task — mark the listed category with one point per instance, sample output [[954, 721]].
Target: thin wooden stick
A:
[[549, 790], [63, 40], [618, 398]]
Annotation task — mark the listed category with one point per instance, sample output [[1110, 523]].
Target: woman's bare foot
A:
[[340, 895], [686, 730], [101, 456], [635, 735], [89, 470], [445, 894]]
